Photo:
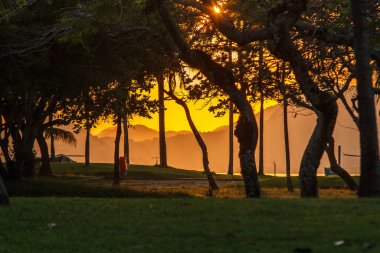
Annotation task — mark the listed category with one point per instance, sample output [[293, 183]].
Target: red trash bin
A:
[[123, 165]]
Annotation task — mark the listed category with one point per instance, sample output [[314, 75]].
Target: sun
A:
[[216, 9]]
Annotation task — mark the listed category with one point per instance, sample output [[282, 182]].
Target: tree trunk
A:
[[337, 169], [247, 138], [126, 140], [52, 146], [326, 107], [246, 130], [261, 88], [116, 167], [231, 140], [23, 147], [4, 198], [161, 114], [45, 169], [199, 139], [261, 148], [87, 148], [369, 150], [289, 183]]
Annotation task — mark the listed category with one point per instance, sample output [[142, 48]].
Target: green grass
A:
[[134, 171], [74, 187], [154, 172], [73, 180], [189, 225]]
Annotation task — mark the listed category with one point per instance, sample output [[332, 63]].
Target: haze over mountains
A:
[[183, 151]]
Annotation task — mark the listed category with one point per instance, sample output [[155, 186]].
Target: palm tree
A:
[[57, 134]]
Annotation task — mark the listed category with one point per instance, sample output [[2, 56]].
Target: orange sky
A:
[[175, 118]]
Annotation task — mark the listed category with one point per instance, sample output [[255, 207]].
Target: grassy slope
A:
[[188, 225]]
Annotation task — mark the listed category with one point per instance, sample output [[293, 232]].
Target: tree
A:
[[246, 129], [261, 91], [197, 135], [279, 20], [161, 115], [369, 162], [286, 128], [48, 131], [116, 169], [231, 139]]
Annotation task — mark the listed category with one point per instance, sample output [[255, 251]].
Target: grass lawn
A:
[[73, 180], [134, 171], [153, 172], [189, 225]]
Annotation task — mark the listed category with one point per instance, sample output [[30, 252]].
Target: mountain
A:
[[138, 133], [183, 151]]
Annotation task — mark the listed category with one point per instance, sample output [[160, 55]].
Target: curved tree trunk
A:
[[87, 148], [369, 162], [337, 169], [231, 140], [126, 140], [246, 129], [199, 139], [45, 169], [279, 20], [116, 168], [161, 115]]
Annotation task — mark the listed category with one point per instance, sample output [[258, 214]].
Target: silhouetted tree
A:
[[369, 148]]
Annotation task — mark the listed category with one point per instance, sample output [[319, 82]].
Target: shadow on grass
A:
[[54, 187]]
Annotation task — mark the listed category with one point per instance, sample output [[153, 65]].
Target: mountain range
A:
[[183, 151]]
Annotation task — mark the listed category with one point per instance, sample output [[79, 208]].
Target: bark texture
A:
[[369, 185]]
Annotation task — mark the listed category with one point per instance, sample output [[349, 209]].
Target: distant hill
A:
[[183, 151], [138, 133]]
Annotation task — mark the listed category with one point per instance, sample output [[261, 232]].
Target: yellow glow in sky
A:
[[175, 118]]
